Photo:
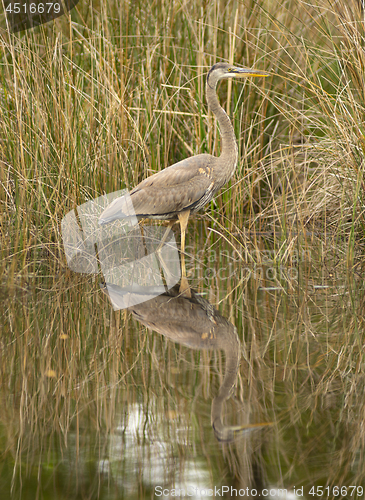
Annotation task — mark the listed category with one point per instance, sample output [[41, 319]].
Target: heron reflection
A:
[[193, 322]]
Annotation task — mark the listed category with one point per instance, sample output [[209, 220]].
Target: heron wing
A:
[[187, 184]]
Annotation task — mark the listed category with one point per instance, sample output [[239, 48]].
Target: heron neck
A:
[[232, 349], [229, 154]]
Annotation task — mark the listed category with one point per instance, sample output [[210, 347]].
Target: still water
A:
[[253, 387]]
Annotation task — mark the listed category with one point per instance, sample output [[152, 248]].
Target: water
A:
[[96, 406]]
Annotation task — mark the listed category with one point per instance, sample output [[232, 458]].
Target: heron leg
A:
[[167, 232], [184, 285], [141, 239], [159, 252]]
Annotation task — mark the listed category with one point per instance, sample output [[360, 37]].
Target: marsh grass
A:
[[90, 107], [82, 384], [95, 103]]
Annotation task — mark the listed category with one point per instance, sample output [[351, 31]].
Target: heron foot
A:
[[185, 288]]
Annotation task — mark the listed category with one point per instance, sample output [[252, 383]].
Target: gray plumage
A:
[[193, 322], [191, 183]]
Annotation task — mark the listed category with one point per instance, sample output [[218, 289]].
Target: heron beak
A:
[[246, 72], [227, 434]]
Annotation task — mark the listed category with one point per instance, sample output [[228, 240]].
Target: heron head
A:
[[223, 70]]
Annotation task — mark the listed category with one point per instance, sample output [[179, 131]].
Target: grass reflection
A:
[[94, 403]]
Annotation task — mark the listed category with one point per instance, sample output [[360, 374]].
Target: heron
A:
[[195, 323], [185, 187]]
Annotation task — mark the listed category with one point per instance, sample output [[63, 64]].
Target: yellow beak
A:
[[246, 72]]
